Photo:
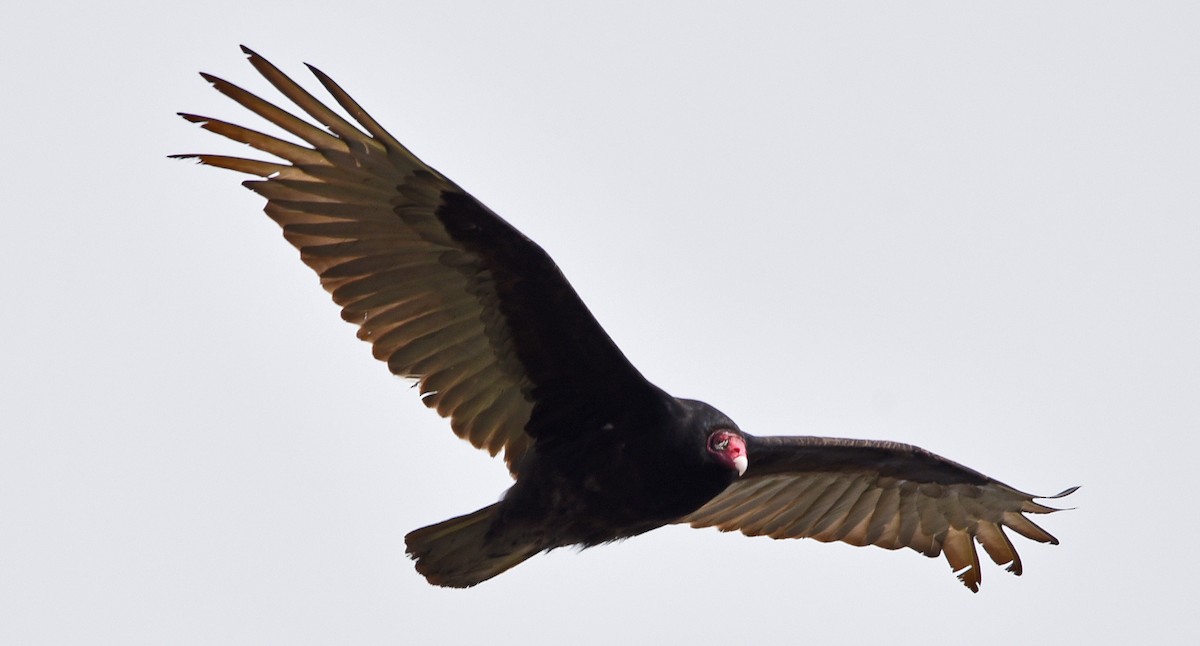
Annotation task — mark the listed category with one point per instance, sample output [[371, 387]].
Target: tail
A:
[[457, 553]]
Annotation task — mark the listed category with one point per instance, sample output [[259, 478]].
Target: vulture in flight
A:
[[452, 296]]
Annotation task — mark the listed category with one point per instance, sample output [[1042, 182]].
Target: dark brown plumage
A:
[[451, 295]]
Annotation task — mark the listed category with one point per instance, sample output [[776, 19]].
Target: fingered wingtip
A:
[[254, 57], [969, 577], [1062, 494], [321, 76]]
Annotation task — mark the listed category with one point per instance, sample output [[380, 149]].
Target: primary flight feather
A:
[[449, 294]]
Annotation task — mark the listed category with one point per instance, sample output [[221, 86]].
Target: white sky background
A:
[[968, 226]]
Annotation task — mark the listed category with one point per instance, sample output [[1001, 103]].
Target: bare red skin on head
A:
[[735, 448]]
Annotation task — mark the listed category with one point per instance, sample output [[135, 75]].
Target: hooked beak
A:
[[740, 463]]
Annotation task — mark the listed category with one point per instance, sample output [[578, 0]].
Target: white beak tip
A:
[[741, 463]]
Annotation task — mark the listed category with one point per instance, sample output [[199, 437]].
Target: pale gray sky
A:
[[970, 227]]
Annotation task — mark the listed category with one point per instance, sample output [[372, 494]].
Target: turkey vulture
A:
[[452, 296]]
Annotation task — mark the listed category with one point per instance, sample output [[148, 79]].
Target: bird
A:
[[481, 319]]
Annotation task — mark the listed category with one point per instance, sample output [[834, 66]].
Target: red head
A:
[[729, 449]]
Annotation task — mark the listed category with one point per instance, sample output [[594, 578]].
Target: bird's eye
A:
[[722, 445]]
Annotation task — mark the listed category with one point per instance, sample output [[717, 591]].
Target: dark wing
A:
[[445, 291], [875, 493]]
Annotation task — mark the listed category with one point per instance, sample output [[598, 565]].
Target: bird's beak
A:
[[740, 463]]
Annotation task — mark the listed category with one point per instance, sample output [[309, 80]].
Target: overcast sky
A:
[[968, 226]]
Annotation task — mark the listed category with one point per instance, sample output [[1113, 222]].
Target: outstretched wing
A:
[[445, 291], [875, 493]]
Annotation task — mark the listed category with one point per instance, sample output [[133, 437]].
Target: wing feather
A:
[[294, 153], [821, 500], [999, 548], [446, 292], [959, 548], [875, 493], [806, 493], [853, 528], [319, 139], [307, 102], [753, 515], [884, 528], [757, 517]]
